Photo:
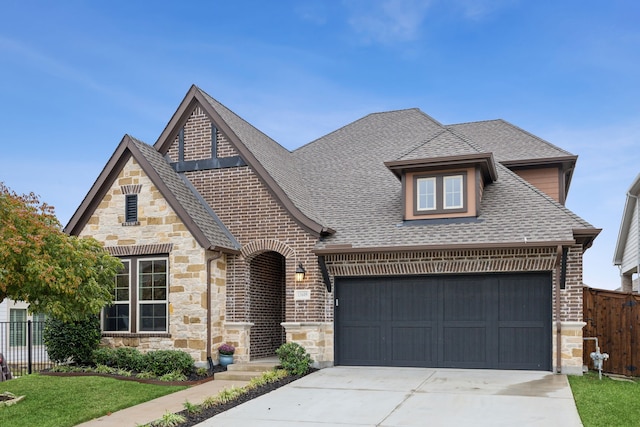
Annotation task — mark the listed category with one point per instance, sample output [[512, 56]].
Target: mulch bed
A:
[[205, 414]]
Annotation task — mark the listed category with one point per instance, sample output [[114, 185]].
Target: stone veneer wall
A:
[[159, 225]]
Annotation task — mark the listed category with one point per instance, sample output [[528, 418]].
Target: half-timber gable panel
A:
[[200, 144]]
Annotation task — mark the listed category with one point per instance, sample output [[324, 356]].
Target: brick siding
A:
[[266, 302]]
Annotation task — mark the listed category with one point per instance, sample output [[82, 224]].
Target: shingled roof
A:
[[362, 200], [508, 142], [339, 188], [199, 219]]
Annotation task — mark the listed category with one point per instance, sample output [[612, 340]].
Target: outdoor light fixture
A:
[[300, 273]]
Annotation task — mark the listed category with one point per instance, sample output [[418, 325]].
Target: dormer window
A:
[[453, 187], [441, 193], [443, 187]]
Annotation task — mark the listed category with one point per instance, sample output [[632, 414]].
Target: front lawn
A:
[[53, 401], [607, 402]]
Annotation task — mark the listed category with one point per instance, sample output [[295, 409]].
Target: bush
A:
[[162, 362], [129, 358], [158, 362], [104, 356], [294, 358], [72, 341]]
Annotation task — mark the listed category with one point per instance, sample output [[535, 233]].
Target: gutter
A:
[[209, 260]]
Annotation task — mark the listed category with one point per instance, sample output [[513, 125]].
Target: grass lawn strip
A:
[[67, 401], [606, 403]]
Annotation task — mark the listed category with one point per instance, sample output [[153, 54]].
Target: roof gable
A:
[[630, 205], [201, 222], [273, 164]]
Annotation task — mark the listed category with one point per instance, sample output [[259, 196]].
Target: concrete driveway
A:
[[393, 397]]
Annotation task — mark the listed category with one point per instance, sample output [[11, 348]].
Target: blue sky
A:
[[77, 75]]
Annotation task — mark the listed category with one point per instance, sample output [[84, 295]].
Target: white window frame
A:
[[446, 191], [428, 197]]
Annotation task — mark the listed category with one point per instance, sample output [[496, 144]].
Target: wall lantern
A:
[[300, 271]]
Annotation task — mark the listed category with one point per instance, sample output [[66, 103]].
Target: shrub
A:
[[294, 358], [72, 341], [104, 356], [162, 362], [129, 358]]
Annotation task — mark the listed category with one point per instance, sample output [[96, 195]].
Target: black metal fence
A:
[[23, 348]]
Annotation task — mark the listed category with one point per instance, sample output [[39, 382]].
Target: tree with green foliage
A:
[[65, 277]]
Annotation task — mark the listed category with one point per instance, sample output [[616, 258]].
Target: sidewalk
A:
[[155, 409]]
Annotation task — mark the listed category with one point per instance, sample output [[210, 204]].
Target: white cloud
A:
[[388, 21]]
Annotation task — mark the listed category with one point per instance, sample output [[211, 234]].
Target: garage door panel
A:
[[414, 301], [494, 321], [464, 347], [413, 345], [520, 348], [361, 345], [461, 301], [522, 299]]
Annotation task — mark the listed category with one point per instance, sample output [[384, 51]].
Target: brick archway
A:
[[267, 263], [257, 247]]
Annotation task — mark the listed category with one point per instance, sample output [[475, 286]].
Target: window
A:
[[453, 192], [131, 208], [38, 328], [140, 299], [443, 193], [426, 194], [18, 327]]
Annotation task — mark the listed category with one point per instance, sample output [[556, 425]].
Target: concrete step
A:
[[245, 371], [252, 367], [236, 375]]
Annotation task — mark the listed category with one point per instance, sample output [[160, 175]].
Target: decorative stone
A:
[[8, 399]]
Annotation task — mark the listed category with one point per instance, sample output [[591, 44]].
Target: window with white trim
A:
[[140, 297], [452, 192], [17, 327], [426, 194]]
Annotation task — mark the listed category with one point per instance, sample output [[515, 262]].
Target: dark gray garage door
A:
[[500, 321]]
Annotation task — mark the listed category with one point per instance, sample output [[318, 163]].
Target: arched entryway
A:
[[267, 279]]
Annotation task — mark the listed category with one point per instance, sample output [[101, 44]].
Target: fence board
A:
[[613, 318]]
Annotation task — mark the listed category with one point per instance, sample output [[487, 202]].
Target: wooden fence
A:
[[614, 318]]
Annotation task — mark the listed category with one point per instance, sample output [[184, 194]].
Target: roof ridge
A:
[[377, 113], [536, 137], [466, 139], [243, 119], [422, 143]]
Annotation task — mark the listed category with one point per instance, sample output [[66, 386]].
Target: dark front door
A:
[[499, 321]]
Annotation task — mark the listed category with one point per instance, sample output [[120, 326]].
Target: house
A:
[[17, 325], [392, 241], [627, 251]]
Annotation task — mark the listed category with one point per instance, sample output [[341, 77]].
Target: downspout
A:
[[558, 323], [209, 260]]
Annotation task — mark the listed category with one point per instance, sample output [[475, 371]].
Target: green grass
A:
[[53, 401], [607, 402]]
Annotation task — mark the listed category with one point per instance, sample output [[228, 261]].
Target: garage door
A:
[[481, 321]]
